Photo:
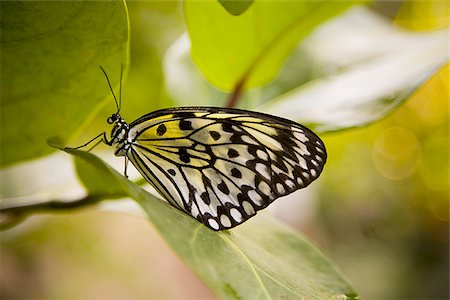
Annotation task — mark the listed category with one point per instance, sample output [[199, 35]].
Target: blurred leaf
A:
[[253, 46], [373, 76], [236, 7], [50, 78], [260, 259]]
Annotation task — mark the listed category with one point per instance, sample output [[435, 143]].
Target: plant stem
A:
[[10, 216], [234, 97]]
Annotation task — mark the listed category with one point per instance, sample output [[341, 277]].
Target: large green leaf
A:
[[250, 47], [260, 259], [50, 77]]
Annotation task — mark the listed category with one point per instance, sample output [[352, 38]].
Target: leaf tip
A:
[[352, 296], [56, 142], [236, 7]]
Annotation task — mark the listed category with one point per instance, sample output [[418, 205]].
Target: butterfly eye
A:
[[112, 119]]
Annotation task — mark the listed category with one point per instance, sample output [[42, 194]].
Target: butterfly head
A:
[[119, 133]]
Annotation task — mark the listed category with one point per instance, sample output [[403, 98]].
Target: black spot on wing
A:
[[227, 127], [215, 135], [223, 188], [205, 197], [236, 173], [185, 125], [232, 153], [161, 130], [184, 156]]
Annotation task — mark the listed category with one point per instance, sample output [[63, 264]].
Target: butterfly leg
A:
[[95, 145], [126, 167], [102, 137]]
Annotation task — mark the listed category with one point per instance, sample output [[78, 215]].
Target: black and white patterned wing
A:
[[222, 165]]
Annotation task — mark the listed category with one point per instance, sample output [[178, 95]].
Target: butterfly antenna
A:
[[120, 89], [110, 87]]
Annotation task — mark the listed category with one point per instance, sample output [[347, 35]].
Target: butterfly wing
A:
[[222, 165]]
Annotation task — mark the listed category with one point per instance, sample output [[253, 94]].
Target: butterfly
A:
[[218, 165]]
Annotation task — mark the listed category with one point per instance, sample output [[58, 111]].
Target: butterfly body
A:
[[219, 165]]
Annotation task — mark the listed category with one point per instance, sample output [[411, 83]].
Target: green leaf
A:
[[103, 184], [236, 7], [50, 80], [251, 47], [260, 259]]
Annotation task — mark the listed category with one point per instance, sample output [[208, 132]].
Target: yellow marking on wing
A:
[[170, 150], [178, 143], [247, 119], [220, 116], [263, 128], [172, 130]]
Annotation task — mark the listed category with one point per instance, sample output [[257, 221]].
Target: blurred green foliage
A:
[[385, 199]]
